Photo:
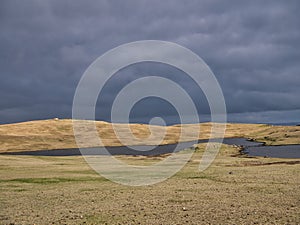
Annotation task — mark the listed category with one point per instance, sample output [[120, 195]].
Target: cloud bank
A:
[[251, 46]]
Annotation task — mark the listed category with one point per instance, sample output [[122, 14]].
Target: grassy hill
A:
[[58, 134]]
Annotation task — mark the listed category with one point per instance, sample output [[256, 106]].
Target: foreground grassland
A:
[[234, 190], [58, 134]]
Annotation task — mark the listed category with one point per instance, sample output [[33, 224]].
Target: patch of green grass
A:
[[53, 180], [87, 189], [202, 176], [20, 190], [89, 172], [12, 187]]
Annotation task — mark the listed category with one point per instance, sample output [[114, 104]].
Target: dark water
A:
[[116, 150], [251, 148], [282, 151]]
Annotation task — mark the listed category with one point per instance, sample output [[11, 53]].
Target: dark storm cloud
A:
[[251, 46]]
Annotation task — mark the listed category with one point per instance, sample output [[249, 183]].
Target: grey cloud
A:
[[251, 46]]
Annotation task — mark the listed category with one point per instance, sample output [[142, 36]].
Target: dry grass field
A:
[[235, 189], [58, 134]]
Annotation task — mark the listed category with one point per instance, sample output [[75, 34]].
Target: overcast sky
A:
[[253, 48]]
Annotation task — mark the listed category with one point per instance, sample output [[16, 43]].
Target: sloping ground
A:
[[58, 134], [278, 135]]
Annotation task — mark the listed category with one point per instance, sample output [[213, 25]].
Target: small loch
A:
[[250, 148]]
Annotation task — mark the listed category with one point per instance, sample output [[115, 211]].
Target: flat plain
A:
[[235, 189]]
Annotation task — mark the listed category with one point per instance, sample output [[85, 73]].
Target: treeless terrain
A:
[[58, 134], [235, 189]]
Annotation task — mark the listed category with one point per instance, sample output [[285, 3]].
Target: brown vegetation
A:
[[233, 190], [58, 134]]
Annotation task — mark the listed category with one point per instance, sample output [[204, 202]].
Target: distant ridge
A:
[[58, 134], [286, 124]]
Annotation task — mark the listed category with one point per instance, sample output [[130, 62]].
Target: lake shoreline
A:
[[248, 147]]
